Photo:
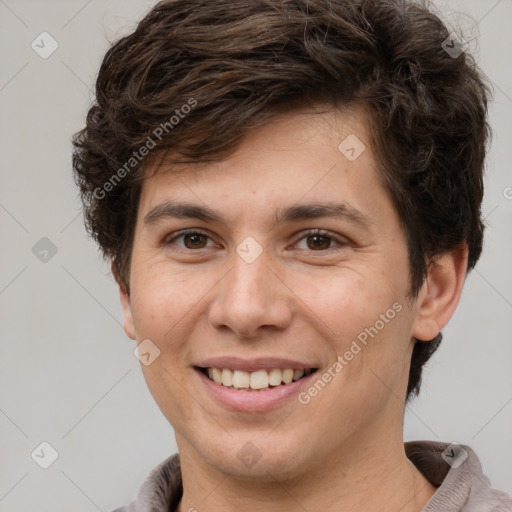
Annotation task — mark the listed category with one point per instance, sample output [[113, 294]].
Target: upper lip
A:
[[252, 365]]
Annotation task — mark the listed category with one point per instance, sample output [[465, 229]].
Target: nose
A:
[[250, 299]]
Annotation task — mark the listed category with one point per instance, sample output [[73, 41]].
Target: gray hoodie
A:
[[454, 470]]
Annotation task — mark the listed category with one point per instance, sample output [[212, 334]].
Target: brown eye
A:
[[189, 240], [316, 242], [194, 241], [319, 241]]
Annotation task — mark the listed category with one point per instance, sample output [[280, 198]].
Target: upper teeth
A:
[[260, 379]]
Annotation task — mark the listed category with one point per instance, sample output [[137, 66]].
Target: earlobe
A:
[[440, 293], [129, 327]]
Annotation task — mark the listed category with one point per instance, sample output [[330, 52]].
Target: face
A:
[[285, 261]]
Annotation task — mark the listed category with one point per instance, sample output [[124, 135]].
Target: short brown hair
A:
[[238, 63]]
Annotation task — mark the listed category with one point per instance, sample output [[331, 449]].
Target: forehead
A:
[[306, 156], [295, 131]]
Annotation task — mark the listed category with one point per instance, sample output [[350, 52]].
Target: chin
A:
[[259, 458]]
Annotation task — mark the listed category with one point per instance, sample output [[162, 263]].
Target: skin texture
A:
[[344, 449]]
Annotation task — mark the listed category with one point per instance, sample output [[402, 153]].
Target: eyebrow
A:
[[183, 210]]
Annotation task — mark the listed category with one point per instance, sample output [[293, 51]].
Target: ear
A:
[[440, 293], [129, 327]]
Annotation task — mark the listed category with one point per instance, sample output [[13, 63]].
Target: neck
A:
[[379, 478]]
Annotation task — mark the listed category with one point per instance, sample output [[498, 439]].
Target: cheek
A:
[[345, 303], [365, 321], [161, 302], [163, 308]]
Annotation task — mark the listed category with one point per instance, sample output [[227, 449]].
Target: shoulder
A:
[[161, 491], [456, 471]]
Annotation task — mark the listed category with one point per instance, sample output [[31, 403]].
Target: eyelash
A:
[[312, 232]]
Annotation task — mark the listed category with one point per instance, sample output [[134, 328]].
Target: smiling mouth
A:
[[259, 380]]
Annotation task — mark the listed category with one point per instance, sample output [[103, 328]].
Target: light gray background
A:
[[68, 374]]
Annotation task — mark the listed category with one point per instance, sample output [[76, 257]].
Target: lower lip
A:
[[253, 401]]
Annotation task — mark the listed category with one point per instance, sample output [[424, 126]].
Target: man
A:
[[290, 192]]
